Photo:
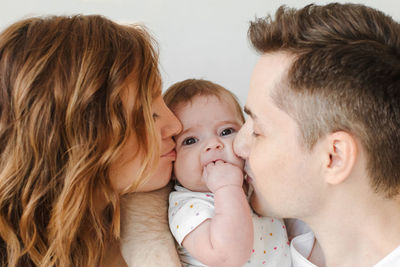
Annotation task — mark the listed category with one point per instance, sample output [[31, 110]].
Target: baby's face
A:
[[209, 127]]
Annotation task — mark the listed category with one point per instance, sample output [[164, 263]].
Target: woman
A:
[[82, 122]]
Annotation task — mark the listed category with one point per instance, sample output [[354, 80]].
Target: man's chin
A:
[[257, 205]]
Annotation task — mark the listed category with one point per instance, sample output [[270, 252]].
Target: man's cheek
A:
[[255, 165]]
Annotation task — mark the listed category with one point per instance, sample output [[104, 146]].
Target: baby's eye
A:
[[227, 131], [189, 141]]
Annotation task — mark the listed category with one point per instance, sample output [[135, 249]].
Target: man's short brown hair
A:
[[345, 76]]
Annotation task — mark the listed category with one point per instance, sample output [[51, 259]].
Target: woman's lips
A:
[[170, 154]]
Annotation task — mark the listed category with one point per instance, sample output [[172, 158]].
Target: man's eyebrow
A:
[[248, 112]]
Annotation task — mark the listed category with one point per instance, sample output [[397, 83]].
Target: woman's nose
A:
[[241, 144], [172, 125]]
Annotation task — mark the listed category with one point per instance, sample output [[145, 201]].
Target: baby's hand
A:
[[220, 174]]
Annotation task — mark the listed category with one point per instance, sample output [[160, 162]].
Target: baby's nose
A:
[[214, 145]]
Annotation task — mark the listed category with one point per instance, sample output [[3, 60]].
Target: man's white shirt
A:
[[301, 246]]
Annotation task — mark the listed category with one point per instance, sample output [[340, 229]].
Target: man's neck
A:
[[358, 235]]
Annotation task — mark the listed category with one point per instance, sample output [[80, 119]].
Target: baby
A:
[[209, 214]]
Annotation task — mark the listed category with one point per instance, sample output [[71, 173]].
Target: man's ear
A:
[[341, 154]]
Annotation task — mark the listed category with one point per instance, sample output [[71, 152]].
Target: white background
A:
[[197, 38]]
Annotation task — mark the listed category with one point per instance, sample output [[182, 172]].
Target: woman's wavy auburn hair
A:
[[63, 120]]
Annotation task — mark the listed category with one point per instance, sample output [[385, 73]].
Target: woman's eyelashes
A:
[[155, 116]]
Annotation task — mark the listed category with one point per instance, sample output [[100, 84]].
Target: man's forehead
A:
[[268, 75], [271, 68]]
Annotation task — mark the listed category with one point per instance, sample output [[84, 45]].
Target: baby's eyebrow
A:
[[184, 132], [228, 122]]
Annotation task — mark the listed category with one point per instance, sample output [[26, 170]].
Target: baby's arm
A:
[[227, 238], [145, 236]]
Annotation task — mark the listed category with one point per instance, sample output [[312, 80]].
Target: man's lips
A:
[[248, 178], [248, 174]]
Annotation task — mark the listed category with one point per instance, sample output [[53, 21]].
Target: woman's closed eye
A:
[[189, 141], [155, 116], [227, 131]]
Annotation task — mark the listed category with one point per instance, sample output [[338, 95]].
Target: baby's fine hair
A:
[[185, 91]]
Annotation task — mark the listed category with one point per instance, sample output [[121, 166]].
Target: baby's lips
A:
[[214, 161]]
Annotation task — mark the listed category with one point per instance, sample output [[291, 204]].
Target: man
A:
[[322, 140]]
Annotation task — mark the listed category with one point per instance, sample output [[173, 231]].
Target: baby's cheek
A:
[[178, 166], [239, 162], [185, 164], [180, 157]]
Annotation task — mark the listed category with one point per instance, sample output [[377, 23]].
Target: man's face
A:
[[284, 173]]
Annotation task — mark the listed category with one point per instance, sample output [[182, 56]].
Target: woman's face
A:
[[123, 172]]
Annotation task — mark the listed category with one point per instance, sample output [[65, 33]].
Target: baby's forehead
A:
[[204, 112], [204, 100]]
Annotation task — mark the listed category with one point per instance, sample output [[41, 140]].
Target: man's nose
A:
[[241, 144]]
